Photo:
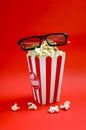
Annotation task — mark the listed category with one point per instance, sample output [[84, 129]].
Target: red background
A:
[[20, 19]]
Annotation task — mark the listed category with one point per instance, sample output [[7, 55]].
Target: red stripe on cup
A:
[[38, 75], [59, 58], [30, 63], [48, 78], [43, 78]]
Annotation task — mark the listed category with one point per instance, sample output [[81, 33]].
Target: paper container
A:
[[46, 75]]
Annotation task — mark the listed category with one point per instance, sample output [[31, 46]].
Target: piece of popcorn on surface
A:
[[54, 109], [15, 107], [65, 106], [32, 106]]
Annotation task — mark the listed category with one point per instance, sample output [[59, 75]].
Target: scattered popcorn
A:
[[53, 109], [15, 107], [45, 50], [32, 106], [66, 105]]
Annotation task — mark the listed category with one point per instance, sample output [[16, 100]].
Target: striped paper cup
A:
[[46, 75]]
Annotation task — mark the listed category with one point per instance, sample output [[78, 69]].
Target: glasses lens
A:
[[57, 39], [30, 43]]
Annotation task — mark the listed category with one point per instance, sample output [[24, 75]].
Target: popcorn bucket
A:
[[46, 75]]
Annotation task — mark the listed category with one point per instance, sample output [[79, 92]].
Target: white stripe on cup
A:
[[53, 76], [61, 77], [33, 64], [43, 78], [28, 63], [37, 93]]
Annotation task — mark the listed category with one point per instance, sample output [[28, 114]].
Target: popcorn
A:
[[32, 106], [45, 50], [15, 107], [66, 105], [54, 109]]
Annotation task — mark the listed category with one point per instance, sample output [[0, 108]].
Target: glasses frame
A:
[[41, 37]]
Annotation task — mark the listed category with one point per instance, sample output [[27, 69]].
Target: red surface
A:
[[19, 19]]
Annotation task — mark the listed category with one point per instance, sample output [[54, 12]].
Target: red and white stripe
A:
[[49, 71]]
